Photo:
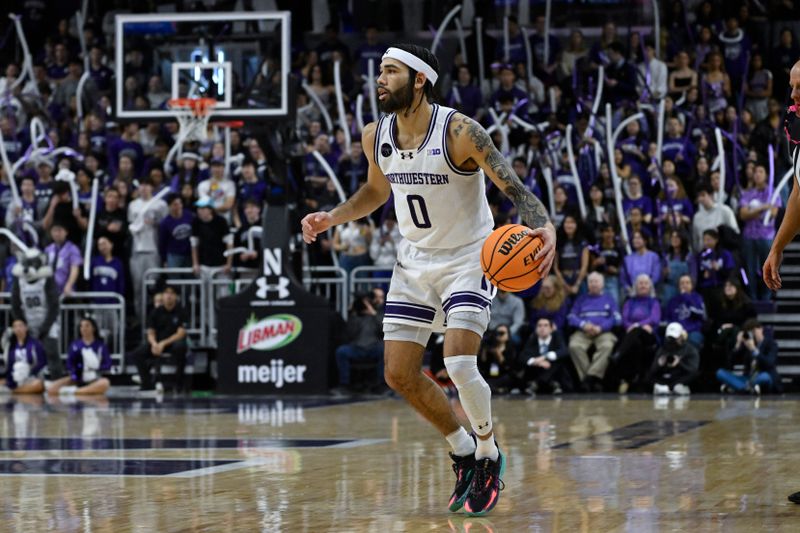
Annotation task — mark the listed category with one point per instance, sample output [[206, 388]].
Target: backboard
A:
[[241, 59]]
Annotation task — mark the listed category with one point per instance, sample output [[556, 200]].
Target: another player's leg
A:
[[403, 373], [462, 337]]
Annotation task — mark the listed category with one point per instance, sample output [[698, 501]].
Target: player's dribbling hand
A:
[[548, 235], [315, 223], [770, 274]]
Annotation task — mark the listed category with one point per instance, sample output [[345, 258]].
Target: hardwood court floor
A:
[[578, 464]]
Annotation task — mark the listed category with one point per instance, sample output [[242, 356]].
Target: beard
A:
[[398, 100]]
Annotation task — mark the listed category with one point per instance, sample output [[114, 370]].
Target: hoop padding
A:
[[192, 115]]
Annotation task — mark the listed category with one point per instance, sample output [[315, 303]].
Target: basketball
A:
[[508, 260]]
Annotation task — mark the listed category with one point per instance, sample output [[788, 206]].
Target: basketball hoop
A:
[[192, 115]]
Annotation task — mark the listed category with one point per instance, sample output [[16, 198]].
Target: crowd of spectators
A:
[[684, 248]]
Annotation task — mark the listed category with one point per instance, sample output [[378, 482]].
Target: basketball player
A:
[[433, 159], [791, 220]]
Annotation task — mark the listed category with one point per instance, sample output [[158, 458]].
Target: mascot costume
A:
[[34, 297]]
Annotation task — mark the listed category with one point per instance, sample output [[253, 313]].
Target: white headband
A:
[[412, 61]]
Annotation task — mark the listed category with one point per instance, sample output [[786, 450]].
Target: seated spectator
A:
[[732, 310], [112, 221], [25, 362], [710, 215], [465, 96], [219, 189], [65, 258], [353, 167], [635, 198], [688, 309], [641, 315], [188, 171], [607, 259], [210, 238], [544, 355], [593, 315], [166, 334], [241, 238], [759, 354], [640, 261], [62, 213], [572, 255], [636, 223], [352, 241], [675, 364], [674, 210], [509, 310], [551, 303], [714, 265], [174, 234], [383, 247], [24, 215], [497, 360], [364, 341], [88, 358], [757, 236], [250, 186], [676, 148], [678, 261]]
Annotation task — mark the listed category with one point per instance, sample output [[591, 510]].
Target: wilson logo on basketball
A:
[[509, 243], [269, 333]]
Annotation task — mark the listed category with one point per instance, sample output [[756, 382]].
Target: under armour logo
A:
[[281, 287], [406, 155], [483, 426]]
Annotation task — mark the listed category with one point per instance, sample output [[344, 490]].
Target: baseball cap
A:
[[205, 201], [674, 330]]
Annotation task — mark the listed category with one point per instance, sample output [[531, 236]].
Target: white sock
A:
[[461, 442], [487, 448], [476, 399]]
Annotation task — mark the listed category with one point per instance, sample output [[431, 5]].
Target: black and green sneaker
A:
[[464, 468], [486, 485]]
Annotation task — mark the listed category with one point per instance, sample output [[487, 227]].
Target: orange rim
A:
[[199, 106]]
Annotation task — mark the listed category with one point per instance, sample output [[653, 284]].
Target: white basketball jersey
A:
[[437, 205]]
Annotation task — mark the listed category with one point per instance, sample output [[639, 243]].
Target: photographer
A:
[[676, 363], [758, 353], [497, 358], [364, 336]]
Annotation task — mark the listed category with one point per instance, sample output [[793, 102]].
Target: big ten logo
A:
[[434, 151], [276, 415]]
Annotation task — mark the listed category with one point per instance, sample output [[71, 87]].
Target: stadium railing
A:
[[109, 316], [198, 295], [366, 278]]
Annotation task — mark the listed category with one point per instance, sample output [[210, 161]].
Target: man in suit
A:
[[544, 356]]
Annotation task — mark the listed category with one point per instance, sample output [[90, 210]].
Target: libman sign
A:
[[273, 345], [269, 333]]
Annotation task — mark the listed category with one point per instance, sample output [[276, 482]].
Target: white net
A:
[[192, 116]]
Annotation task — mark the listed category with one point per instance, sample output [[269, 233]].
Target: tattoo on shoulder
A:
[[530, 208], [478, 135]]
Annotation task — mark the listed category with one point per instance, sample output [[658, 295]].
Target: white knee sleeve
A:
[[469, 320], [405, 333], [473, 391]]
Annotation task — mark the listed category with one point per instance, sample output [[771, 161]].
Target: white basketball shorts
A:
[[430, 283]]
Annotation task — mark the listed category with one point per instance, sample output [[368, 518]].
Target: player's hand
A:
[[548, 252], [315, 223], [770, 270]]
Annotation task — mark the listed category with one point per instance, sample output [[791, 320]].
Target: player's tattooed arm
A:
[[473, 146], [483, 152]]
